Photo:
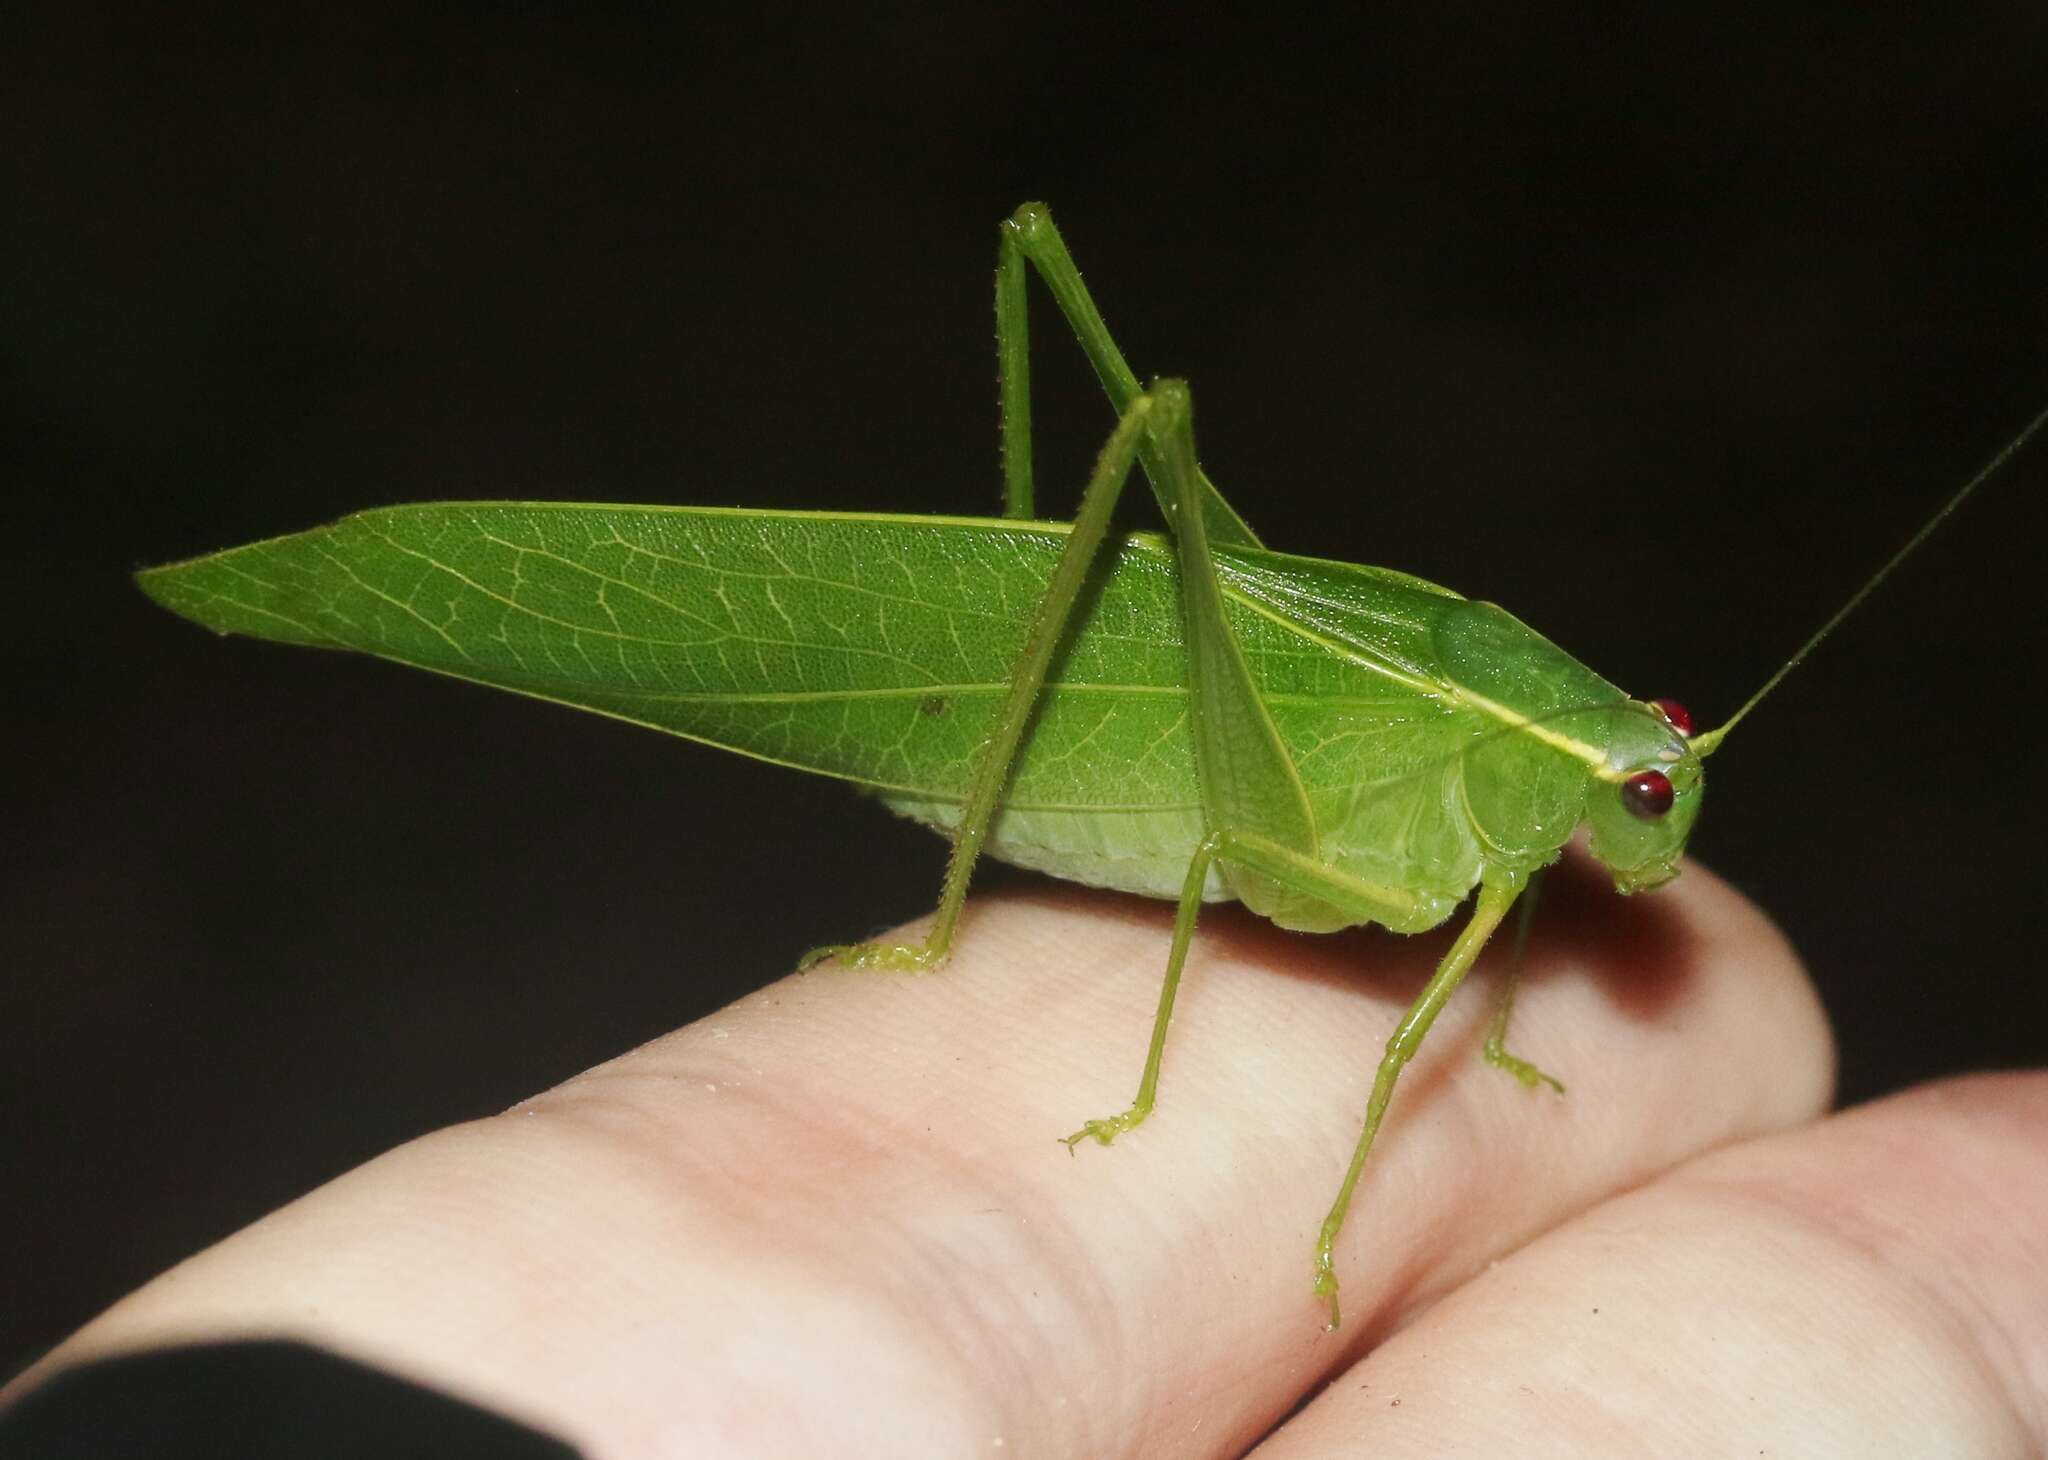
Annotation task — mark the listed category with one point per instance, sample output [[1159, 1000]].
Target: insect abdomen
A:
[[1145, 851]]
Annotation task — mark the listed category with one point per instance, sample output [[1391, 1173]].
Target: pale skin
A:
[[830, 1220]]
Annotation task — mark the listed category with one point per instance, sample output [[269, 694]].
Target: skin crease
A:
[[834, 1218]]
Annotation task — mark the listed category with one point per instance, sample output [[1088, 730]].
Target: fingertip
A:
[[1764, 974]]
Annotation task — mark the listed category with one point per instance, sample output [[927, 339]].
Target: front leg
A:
[[1495, 1052]]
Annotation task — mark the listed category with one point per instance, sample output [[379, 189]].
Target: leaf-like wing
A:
[[870, 647]]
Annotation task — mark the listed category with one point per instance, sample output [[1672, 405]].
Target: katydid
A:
[[1186, 715]]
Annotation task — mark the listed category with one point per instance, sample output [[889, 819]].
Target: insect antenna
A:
[[1707, 743]]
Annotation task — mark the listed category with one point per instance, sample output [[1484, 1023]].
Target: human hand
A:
[[835, 1218]]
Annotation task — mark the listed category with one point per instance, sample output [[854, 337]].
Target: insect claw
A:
[[889, 957], [1326, 1288], [1521, 1069], [1102, 1131]]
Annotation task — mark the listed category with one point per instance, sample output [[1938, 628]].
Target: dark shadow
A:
[[1643, 948]]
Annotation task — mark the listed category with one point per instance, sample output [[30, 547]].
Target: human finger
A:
[[836, 1214], [1871, 1284]]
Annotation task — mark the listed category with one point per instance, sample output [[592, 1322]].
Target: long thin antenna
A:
[[1706, 744]]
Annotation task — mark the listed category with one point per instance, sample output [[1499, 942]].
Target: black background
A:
[[1660, 334]]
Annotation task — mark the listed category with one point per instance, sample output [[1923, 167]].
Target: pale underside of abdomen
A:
[[1148, 851]]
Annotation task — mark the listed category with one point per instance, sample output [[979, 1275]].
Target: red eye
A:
[[1679, 716], [1647, 794]]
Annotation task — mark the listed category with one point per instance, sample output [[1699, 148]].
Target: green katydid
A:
[[1189, 716]]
